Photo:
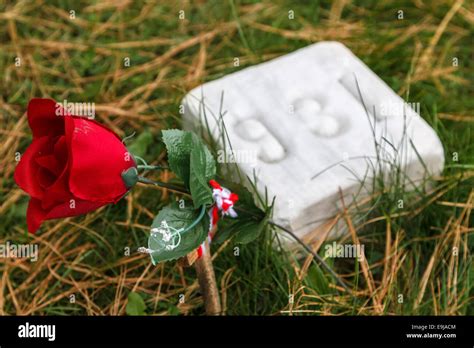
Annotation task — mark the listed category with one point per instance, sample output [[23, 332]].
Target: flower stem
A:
[[172, 187], [207, 282], [149, 167]]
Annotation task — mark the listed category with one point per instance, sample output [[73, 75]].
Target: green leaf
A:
[[179, 145], [203, 168], [250, 230], [135, 304], [140, 145], [226, 229], [250, 222], [178, 218], [189, 157], [244, 231], [246, 204]]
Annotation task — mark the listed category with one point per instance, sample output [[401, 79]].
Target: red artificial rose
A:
[[73, 166]]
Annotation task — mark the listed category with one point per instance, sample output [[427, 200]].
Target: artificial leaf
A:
[[179, 145], [246, 206], [203, 168], [250, 230], [247, 227], [178, 218], [226, 228], [209, 161], [135, 304], [244, 230]]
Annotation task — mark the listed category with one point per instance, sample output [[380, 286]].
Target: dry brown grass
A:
[[166, 62]]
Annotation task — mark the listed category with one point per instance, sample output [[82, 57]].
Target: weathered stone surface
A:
[[302, 116]]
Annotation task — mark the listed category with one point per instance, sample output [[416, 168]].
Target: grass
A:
[[83, 265]]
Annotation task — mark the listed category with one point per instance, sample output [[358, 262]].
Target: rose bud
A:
[[73, 166]]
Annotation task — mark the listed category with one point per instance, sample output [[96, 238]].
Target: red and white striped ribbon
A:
[[224, 203]]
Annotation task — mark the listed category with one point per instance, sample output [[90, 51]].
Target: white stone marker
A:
[[302, 116]]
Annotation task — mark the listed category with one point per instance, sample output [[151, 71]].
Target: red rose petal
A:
[[57, 160], [50, 163], [61, 151], [42, 117], [35, 215], [57, 192], [73, 207], [45, 178], [27, 169], [97, 160]]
